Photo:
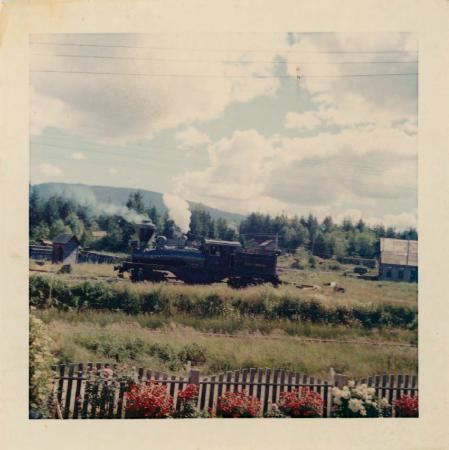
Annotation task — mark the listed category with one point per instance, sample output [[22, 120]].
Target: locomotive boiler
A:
[[210, 261]]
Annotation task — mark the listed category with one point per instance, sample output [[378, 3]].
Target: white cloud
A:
[[308, 120], [399, 221], [348, 110], [402, 220], [322, 174], [190, 138], [112, 171], [78, 156], [236, 175], [184, 86], [49, 170]]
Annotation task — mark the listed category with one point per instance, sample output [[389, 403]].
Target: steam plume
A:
[[178, 210], [87, 198]]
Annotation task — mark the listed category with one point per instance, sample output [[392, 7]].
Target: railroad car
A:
[[209, 262]]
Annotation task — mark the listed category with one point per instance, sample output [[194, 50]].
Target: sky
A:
[[293, 123]]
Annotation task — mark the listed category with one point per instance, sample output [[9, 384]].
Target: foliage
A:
[[41, 361], [324, 239], [238, 405], [407, 406], [194, 353], [149, 401], [187, 402], [45, 292], [101, 388], [359, 401], [301, 403]]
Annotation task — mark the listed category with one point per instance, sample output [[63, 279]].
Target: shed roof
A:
[[399, 252], [218, 242], [64, 238]]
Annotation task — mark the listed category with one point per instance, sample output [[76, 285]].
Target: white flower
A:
[[371, 391], [345, 394], [355, 405], [337, 400], [351, 383], [336, 392], [383, 402], [362, 411]]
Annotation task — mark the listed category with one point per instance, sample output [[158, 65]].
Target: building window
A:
[[388, 273], [401, 274]]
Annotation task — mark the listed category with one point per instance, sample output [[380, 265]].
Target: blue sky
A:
[[223, 119]]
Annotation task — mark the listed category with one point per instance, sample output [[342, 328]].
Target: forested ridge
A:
[[327, 239]]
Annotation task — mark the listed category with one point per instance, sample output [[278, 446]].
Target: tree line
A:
[[326, 239]]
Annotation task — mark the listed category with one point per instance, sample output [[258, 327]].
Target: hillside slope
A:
[[118, 196]]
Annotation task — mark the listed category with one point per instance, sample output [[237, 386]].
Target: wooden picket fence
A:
[[71, 382]]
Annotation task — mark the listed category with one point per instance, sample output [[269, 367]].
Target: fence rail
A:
[[74, 389]]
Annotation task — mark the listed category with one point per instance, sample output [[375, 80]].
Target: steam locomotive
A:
[[209, 262]]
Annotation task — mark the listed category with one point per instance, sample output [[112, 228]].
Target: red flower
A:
[[407, 406], [189, 393], [149, 400], [301, 403], [237, 405]]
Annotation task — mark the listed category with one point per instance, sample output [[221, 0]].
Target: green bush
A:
[[184, 304], [41, 361], [154, 302], [194, 353], [211, 305], [46, 292]]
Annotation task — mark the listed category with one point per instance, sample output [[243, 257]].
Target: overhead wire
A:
[[347, 167], [225, 61], [284, 50], [172, 75]]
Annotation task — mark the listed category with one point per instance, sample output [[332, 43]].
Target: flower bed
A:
[[149, 400], [358, 401], [407, 406], [238, 405], [301, 403], [187, 402]]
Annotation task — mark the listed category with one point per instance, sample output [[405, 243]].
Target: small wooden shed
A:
[[398, 260], [65, 248]]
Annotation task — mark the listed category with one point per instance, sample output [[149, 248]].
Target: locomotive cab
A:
[[220, 254]]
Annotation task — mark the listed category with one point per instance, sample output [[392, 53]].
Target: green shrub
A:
[[92, 295], [184, 304], [255, 307], [154, 302], [287, 308], [211, 305], [41, 361], [194, 353], [164, 352]]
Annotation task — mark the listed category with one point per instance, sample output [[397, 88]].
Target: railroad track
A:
[[301, 339]]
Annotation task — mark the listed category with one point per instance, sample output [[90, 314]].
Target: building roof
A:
[[64, 238], [399, 252], [218, 242]]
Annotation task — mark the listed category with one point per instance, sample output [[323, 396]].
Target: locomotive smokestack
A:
[[145, 231]]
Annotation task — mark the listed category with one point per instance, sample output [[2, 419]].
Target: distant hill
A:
[[84, 193]]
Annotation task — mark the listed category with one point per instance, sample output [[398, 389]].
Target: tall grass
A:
[[240, 326], [169, 351], [216, 301]]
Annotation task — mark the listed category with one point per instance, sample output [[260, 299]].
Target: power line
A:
[[72, 44], [225, 76], [345, 167], [132, 58]]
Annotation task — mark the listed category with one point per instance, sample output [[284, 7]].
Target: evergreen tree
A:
[[135, 202]]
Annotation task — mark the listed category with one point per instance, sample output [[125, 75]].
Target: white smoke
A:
[[122, 211], [178, 210], [87, 199]]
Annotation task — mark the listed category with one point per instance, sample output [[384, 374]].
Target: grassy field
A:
[[161, 340], [120, 339]]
